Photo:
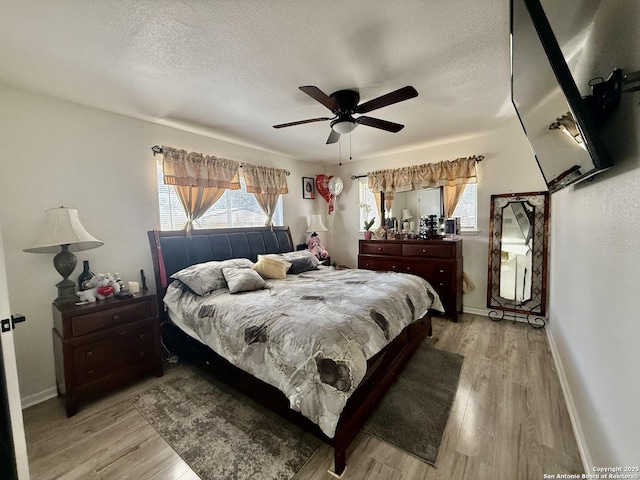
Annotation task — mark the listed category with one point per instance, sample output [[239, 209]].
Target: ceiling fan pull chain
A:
[[350, 157]]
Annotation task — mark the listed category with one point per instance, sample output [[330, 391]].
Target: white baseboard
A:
[[31, 400], [583, 448]]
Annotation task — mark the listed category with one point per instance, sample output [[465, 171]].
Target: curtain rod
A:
[[479, 158], [157, 150]]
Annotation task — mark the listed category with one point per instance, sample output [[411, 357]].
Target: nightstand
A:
[[102, 345]]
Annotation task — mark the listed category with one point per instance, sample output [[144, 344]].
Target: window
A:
[[367, 205], [467, 208], [429, 201], [235, 208]]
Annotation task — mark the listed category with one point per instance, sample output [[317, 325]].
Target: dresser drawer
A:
[[91, 322], [379, 263], [424, 250], [379, 248], [422, 269], [95, 360]]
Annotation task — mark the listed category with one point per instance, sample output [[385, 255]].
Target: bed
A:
[[320, 347]]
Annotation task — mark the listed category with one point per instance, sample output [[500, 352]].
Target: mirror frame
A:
[[537, 304]]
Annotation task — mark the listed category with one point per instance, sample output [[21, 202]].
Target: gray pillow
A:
[[290, 256], [301, 261], [300, 265], [203, 278], [243, 279]]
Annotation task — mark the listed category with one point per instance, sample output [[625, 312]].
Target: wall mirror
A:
[[415, 204], [517, 279]]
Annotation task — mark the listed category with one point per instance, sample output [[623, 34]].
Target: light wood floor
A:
[[509, 421]]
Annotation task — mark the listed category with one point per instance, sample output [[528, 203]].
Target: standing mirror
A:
[[517, 280]]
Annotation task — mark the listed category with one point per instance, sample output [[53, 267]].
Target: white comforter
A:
[[309, 335]]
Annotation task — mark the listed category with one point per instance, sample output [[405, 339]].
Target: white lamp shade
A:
[[406, 214], [316, 225], [62, 227]]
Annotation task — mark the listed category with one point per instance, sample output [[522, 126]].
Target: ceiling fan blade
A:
[[333, 137], [320, 96], [404, 93], [381, 124], [301, 122]]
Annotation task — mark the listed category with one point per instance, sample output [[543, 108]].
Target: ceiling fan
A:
[[344, 104]]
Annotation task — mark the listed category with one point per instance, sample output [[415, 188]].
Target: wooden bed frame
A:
[[175, 250]]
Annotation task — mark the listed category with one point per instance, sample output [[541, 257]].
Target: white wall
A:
[[595, 247], [508, 167], [57, 153]]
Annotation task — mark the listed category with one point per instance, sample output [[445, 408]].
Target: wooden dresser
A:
[[437, 261], [101, 345]]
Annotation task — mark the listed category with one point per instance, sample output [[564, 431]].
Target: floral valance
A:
[[260, 179], [182, 168], [429, 175]]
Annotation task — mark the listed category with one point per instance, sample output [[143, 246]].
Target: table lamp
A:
[[406, 216], [62, 233], [316, 225]]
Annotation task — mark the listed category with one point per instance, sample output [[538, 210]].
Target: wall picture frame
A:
[[308, 188]]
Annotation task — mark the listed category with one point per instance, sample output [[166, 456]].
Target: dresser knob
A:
[[116, 318], [379, 249], [89, 353], [91, 372], [394, 267], [424, 250], [441, 271]]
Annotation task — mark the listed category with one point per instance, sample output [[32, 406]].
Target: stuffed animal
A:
[[316, 247], [99, 287]]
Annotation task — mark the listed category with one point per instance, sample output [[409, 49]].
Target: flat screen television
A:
[[542, 91]]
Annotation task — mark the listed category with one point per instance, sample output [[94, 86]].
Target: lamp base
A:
[[66, 292], [65, 262]]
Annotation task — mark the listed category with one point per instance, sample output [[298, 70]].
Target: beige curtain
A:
[[452, 196], [267, 184], [388, 202], [199, 180], [429, 175], [196, 201], [198, 170], [378, 198]]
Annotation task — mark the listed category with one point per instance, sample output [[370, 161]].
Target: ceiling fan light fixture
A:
[[343, 126]]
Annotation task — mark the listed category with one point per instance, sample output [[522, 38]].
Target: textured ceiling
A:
[[231, 69]]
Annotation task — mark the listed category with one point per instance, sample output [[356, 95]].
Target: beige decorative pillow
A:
[[269, 267], [243, 279]]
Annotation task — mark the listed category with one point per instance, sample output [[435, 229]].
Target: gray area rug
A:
[[224, 435], [413, 414]]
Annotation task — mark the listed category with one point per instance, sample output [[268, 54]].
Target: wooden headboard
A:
[[177, 250]]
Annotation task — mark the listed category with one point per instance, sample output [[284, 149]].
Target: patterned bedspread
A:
[[309, 335]]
